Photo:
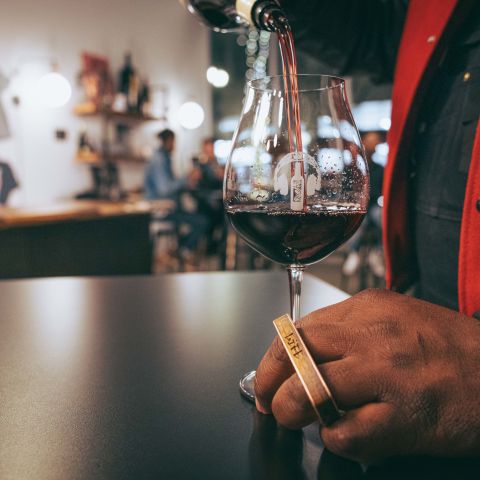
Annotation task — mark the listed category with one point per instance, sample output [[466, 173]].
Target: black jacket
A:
[[351, 36]]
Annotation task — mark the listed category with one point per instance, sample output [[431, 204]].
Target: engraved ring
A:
[[314, 384]]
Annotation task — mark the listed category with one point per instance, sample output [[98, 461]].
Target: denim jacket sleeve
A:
[[159, 182]]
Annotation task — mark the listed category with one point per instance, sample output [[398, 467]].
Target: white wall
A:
[[168, 45]]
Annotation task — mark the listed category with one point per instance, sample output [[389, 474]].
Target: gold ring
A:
[[314, 384]]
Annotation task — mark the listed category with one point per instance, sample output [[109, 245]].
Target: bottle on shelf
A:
[[128, 87], [125, 75], [228, 15], [133, 92], [144, 100], [86, 152]]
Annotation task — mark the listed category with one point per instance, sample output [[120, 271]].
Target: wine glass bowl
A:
[[259, 171], [295, 195]]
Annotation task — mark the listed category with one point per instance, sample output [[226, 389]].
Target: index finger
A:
[[325, 340]]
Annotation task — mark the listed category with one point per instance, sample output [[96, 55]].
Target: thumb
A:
[[368, 433]]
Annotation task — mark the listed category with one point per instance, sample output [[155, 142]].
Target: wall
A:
[[168, 45]]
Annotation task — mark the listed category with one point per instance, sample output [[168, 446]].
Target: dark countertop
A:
[[137, 378]]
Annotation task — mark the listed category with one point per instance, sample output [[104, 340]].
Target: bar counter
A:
[[69, 211], [75, 238]]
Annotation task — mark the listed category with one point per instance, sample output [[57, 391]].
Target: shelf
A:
[[92, 158], [127, 158], [97, 159], [109, 116], [89, 110]]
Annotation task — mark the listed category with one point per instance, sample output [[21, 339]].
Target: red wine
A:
[[295, 238], [292, 103], [280, 25]]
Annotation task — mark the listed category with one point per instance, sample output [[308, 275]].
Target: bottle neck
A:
[[244, 9], [263, 14]]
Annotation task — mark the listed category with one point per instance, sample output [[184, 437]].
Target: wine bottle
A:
[[133, 93], [228, 15], [125, 75], [144, 98]]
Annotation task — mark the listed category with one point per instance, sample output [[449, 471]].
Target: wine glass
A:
[[295, 196]]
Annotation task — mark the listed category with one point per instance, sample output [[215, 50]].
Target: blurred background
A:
[[99, 96]]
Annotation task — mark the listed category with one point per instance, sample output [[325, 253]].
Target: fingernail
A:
[[260, 408]]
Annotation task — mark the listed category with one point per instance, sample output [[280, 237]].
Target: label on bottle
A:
[[298, 176], [297, 190], [244, 9]]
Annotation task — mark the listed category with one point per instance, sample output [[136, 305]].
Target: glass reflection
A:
[[275, 452], [59, 317]]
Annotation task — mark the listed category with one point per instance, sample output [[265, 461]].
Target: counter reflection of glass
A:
[[295, 207]]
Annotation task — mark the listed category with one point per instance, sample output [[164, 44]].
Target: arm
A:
[[350, 36], [405, 371]]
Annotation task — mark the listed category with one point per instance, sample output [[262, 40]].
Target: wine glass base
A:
[[247, 387]]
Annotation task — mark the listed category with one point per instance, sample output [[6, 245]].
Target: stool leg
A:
[[231, 251]]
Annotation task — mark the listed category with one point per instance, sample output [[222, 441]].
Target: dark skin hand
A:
[[406, 372]]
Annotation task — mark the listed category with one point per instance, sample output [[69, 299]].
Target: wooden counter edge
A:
[[71, 211]]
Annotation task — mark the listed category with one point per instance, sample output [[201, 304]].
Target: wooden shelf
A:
[[86, 110], [127, 158], [92, 158], [97, 159], [89, 110]]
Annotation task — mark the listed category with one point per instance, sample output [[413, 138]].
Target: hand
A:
[[406, 372]]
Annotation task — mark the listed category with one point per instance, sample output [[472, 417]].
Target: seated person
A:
[[211, 172], [208, 194], [8, 183], [160, 183]]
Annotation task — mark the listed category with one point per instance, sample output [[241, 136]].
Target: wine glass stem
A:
[[295, 277]]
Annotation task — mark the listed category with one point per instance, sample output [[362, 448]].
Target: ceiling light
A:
[[191, 115], [53, 90], [218, 77]]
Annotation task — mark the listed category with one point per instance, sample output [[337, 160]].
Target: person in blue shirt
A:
[[160, 183]]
